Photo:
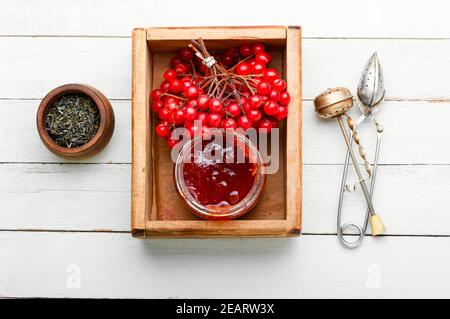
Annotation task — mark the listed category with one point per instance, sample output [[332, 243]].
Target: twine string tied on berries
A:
[[203, 53]]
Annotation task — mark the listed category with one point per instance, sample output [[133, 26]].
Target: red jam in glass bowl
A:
[[219, 180]]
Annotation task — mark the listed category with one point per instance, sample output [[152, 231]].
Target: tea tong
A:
[[370, 93], [334, 103]]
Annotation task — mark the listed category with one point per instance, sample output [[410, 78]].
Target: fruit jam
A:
[[219, 184], [220, 181]]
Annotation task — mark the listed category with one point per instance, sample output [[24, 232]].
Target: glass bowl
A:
[[199, 151]]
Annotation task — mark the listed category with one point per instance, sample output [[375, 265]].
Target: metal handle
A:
[[361, 230], [355, 164]]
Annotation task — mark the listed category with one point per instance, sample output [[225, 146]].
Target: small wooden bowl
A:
[[105, 130]]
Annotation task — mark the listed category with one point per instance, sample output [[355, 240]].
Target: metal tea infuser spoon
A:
[[370, 93], [334, 103]]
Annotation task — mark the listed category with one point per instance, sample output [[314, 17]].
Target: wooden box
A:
[[156, 209]]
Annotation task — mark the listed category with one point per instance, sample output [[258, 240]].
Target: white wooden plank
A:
[[115, 265], [410, 199], [414, 133], [413, 69], [404, 122], [31, 67], [21, 142], [322, 18], [65, 197]]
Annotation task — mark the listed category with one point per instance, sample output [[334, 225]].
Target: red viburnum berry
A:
[[156, 94], [257, 48], [284, 98], [162, 130], [216, 106], [214, 120], [229, 123], [254, 101], [279, 84], [282, 112], [244, 122], [263, 58], [263, 88], [271, 108], [243, 68], [186, 54], [170, 75], [254, 116], [190, 113], [245, 50], [265, 125], [176, 86], [203, 102], [233, 109], [270, 75], [191, 92]]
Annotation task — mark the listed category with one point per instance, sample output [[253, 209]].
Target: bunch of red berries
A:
[[237, 88]]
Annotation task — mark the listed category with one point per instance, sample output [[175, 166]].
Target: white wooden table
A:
[[64, 227]]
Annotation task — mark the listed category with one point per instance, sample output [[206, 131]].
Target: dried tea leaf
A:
[[73, 120]]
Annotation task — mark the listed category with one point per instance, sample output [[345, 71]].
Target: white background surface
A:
[[60, 219]]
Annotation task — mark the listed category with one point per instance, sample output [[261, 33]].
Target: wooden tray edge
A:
[[140, 165], [143, 228]]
